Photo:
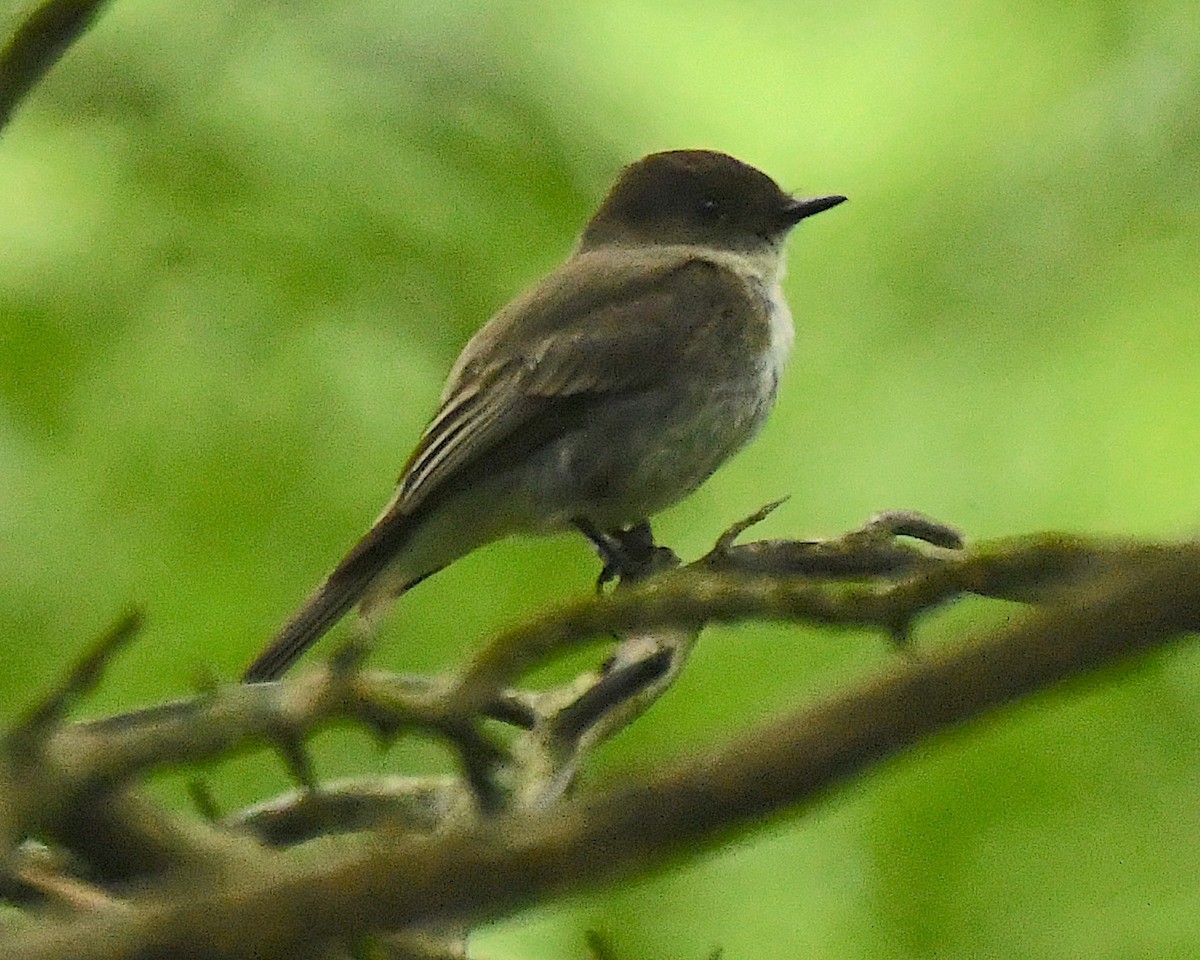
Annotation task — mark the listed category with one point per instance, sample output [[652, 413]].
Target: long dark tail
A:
[[327, 605], [340, 591]]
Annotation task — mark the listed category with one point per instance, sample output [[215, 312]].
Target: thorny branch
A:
[[446, 852]]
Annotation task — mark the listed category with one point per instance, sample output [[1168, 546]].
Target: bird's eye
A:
[[710, 209]]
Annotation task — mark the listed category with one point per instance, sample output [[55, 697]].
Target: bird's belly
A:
[[636, 455]]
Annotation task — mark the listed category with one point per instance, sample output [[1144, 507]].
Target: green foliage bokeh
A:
[[240, 244]]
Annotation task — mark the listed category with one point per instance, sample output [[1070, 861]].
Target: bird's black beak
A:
[[796, 209]]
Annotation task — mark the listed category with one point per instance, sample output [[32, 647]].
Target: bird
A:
[[605, 393]]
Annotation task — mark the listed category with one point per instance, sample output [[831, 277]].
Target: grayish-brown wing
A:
[[594, 327]]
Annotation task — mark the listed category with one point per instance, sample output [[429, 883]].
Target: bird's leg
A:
[[629, 553], [606, 546]]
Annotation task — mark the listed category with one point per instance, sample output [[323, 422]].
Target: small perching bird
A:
[[607, 392]]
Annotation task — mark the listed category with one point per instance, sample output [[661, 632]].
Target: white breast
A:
[[783, 331]]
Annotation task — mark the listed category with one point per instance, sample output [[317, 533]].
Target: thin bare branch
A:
[[490, 868], [85, 673]]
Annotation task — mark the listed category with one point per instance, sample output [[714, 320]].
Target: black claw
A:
[[608, 573], [628, 554]]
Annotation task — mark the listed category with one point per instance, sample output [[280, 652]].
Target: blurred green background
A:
[[240, 245]]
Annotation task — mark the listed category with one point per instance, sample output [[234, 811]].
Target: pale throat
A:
[[763, 271]]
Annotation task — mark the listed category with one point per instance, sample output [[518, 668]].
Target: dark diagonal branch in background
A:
[[36, 45]]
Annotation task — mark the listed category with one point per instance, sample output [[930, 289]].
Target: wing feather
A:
[[611, 342]]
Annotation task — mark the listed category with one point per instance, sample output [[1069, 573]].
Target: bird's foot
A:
[[628, 554]]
